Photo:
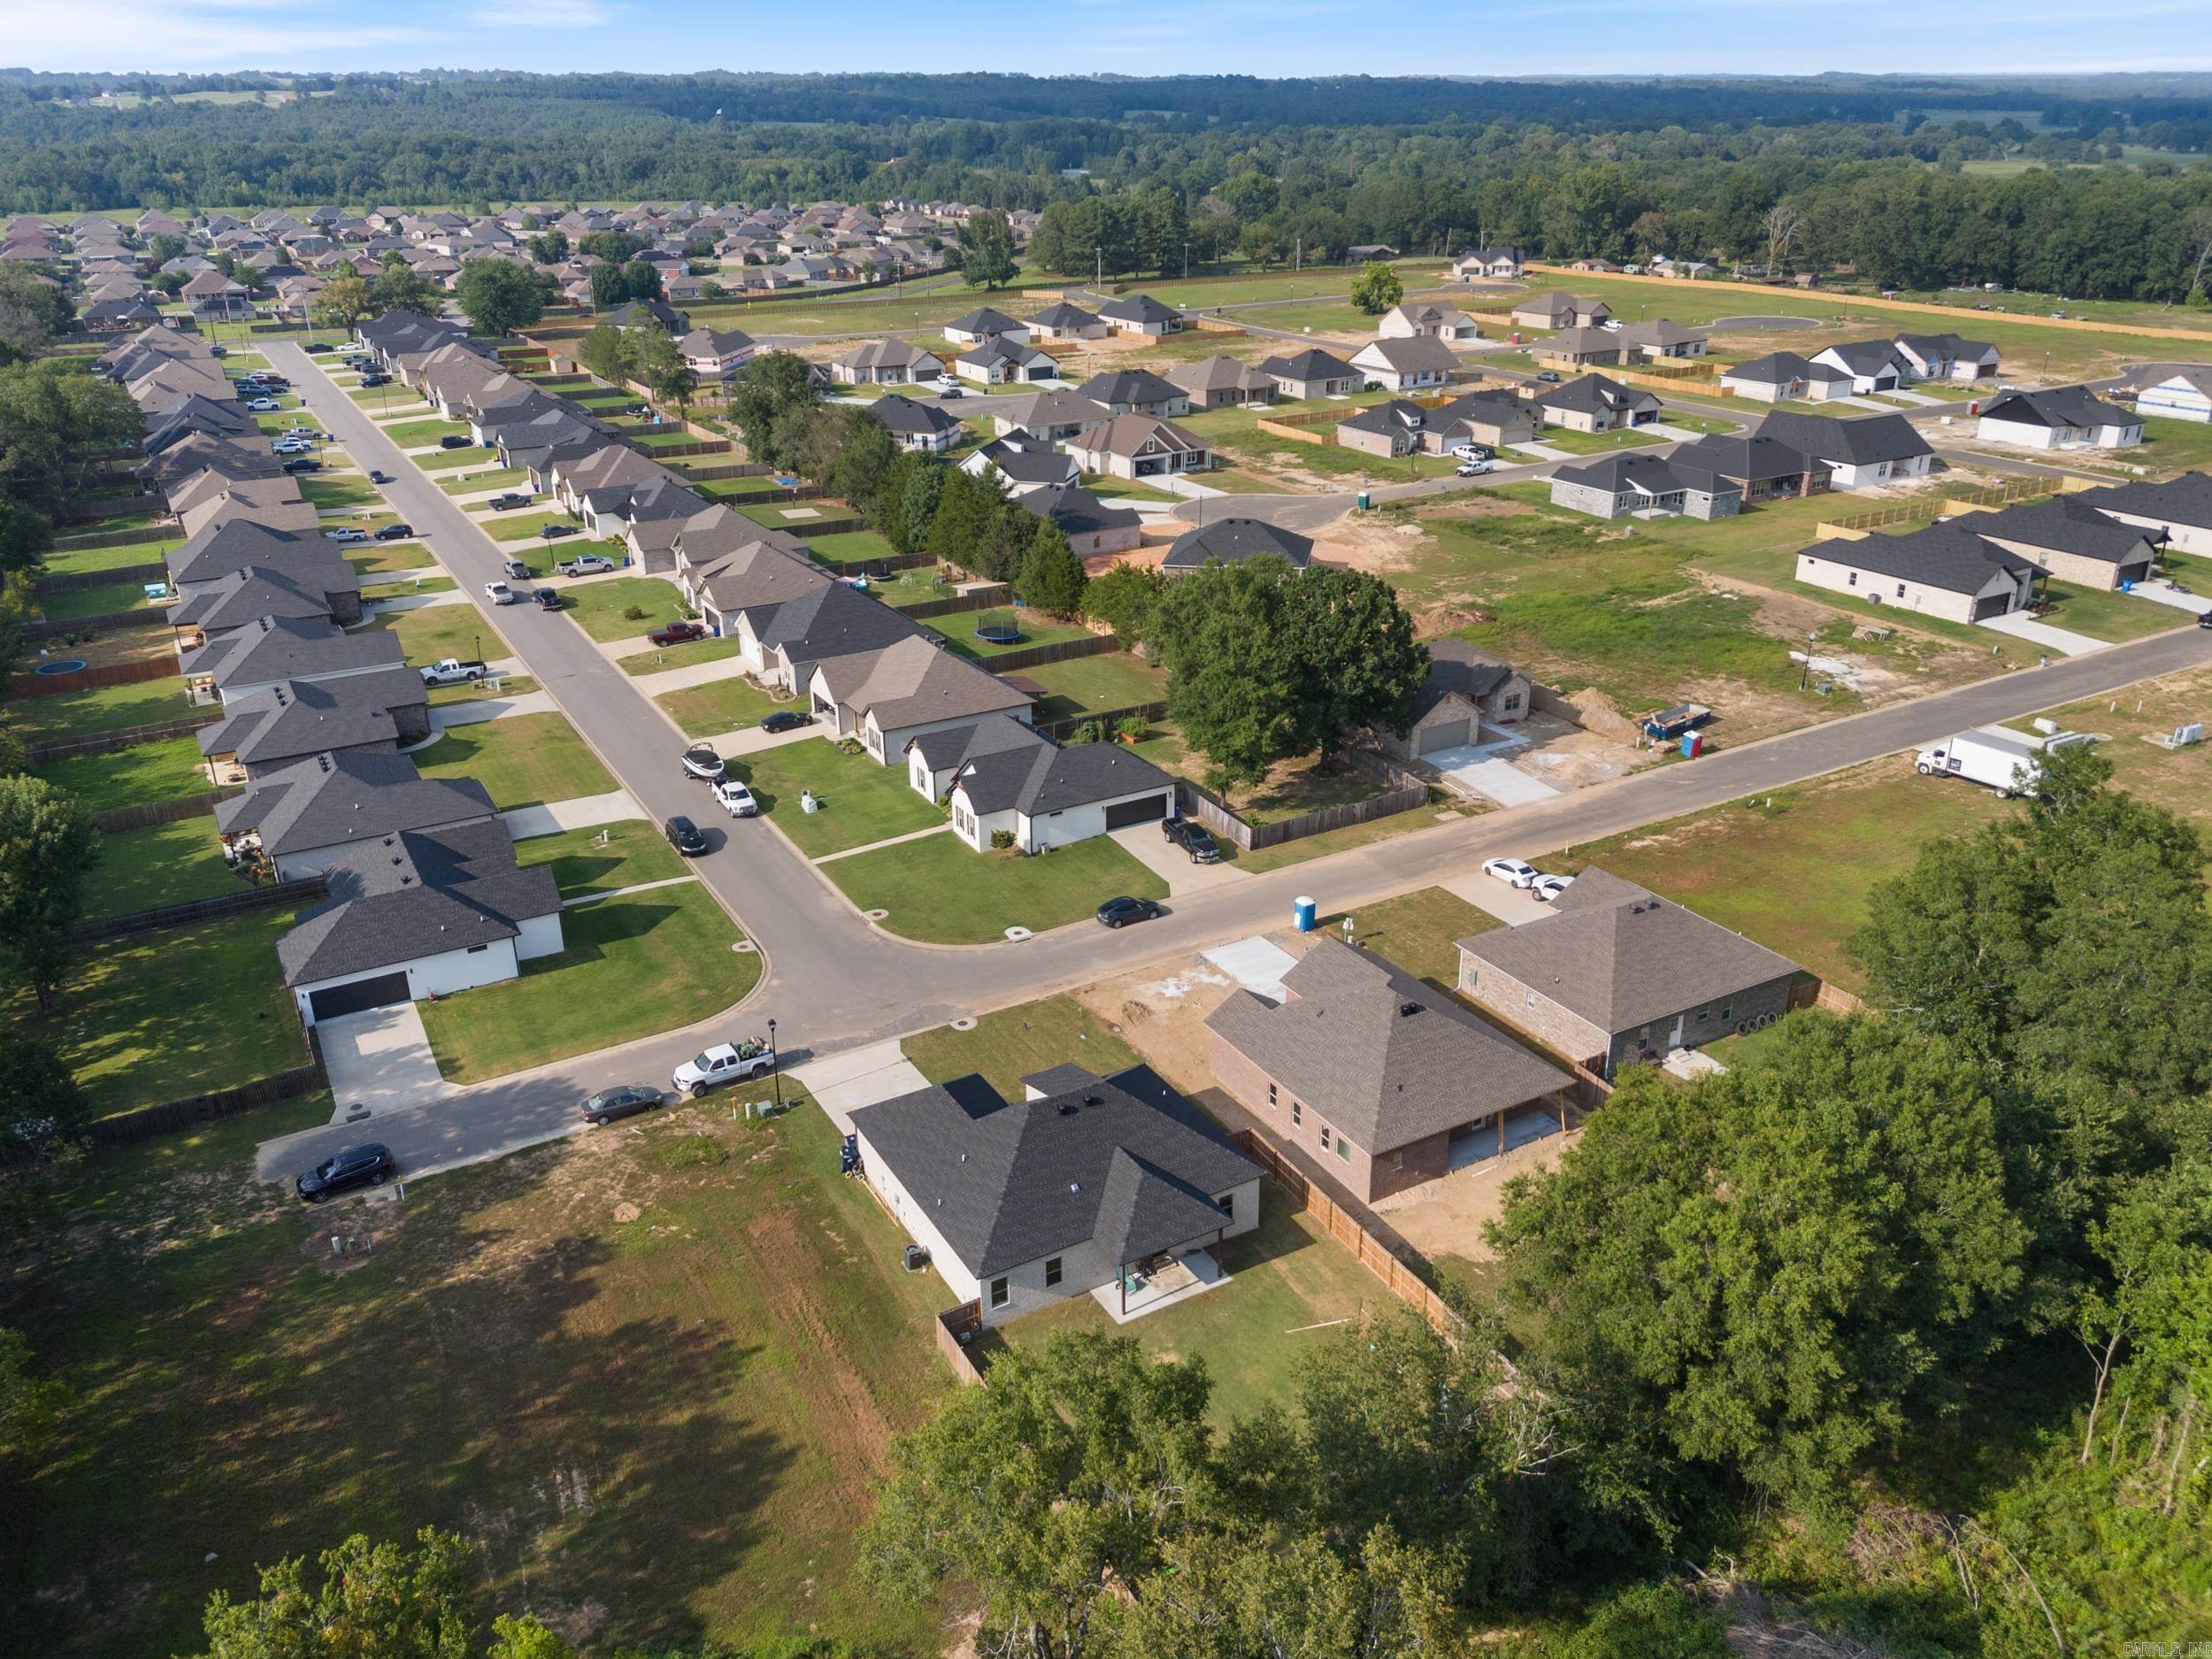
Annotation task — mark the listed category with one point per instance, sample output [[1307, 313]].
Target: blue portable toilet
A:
[[1302, 913]]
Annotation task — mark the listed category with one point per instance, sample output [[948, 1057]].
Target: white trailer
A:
[[2009, 762]]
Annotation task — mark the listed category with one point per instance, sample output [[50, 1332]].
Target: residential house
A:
[[1871, 449], [1630, 483], [2069, 538], [1559, 309], [1591, 402], [1021, 465], [783, 645], [2179, 509], [1948, 570], [1312, 372], [1385, 430], [926, 427], [998, 777], [420, 913], [1382, 1081], [651, 314], [1496, 417], [1231, 541], [1947, 357], [1003, 360], [1464, 686], [1414, 364], [294, 719], [2181, 393], [1784, 377], [1136, 392], [724, 577], [306, 815], [1139, 447], [1492, 264], [276, 648], [1222, 382], [1141, 315], [2061, 418], [1427, 318], [1762, 469], [1874, 366], [1369, 253], [1661, 340], [1617, 975], [886, 697], [1063, 321], [1094, 530], [714, 354], [984, 324], [1057, 416], [1113, 1186], [1579, 347], [886, 363], [240, 598]]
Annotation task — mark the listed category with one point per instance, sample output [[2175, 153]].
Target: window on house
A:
[[1851, 580], [1052, 1272], [1297, 1112], [999, 1291], [1343, 1150], [1532, 999], [1325, 1137], [1228, 1205], [1900, 590], [1398, 1159], [1728, 1008], [1270, 1097], [1706, 1012]]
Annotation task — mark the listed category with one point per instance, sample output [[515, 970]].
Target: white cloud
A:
[[169, 35]]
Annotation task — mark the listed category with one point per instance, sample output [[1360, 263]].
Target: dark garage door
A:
[[1151, 810], [362, 994], [1995, 605]]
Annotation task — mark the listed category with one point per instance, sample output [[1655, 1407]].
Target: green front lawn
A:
[[378, 558], [492, 478], [475, 690], [438, 630], [520, 527], [601, 859], [939, 890], [2106, 614], [1089, 685], [663, 658], [720, 705], [861, 802], [1017, 1042], [630, 966], [1416, 931], [340, 492], [410, 434], [452, 460], [182, 1011], [523, 759], [142, 870], [601, 608], [123, 777], [1598, 443], [105, 709]]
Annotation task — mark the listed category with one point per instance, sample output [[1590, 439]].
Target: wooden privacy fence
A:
[[974, 599], [110, 507], [123, 737], [807, 530], [118, 821], [125, 1128], [272, 895], [1810, 991], [1371, 1253], [1106, 717], [955, 1328], [37, 685], [106, 622], [117, 538], [737, 469], [673, 451], [1058, 651], [1410, 791], [71, 581]]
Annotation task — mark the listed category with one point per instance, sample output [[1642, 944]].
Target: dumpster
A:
[[1301, 914]]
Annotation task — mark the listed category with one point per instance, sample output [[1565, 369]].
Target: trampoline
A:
[[66, 666], [999, 630]]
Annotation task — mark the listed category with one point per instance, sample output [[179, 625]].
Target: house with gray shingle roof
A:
[[307, 814], [252, 659], [1949, 570], [888, 698], [1617, 974], [1382, 1080], [295, 719], [1465, 687], [1115, 1187], [2058, 417], [886, 363], [1231, 541], [1140, 314], [998, 775]]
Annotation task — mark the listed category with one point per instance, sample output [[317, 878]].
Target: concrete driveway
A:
[[1484, 769], [859, 1077], [2042, 634], [1164, 859], [380, 1061]]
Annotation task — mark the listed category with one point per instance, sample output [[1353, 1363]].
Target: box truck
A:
[[2006, 761]]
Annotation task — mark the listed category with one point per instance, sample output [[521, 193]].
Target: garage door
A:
[[1151, 810], [1443, 734], [361, 994], [1995, 605]]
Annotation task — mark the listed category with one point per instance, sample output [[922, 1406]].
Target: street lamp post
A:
[[775, 1071]]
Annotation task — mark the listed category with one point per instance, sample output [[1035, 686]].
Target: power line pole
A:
[[1186, 262], [1299, 255], [1099, 279]]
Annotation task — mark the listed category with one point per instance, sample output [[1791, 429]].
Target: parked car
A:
[[303, 464], [1514, 873], [684, 836], [313, 348], [627, 1100], [724, 1062], [376, 380], [1473, 452], [219, 351], [548, 598], [785, 720], [349, 1167], [394, 532], [264, 405], [584, 563], [1550, 377], [701, 761], [511, 500], [555, 532], [1470, 469], [345, 534], [514, 570], [457, 441], [376, 477], [1548, 887], [454, 670], [736, 799], [500, 594], [1120, 912], [677, 633], [949, 389], [1193, 839]]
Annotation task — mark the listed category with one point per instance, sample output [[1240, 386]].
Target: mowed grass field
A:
[[651, 1371]]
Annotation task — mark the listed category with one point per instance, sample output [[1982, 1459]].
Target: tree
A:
[[2155, 1294], [610, 352], [1773, 1270], [865, 456], [1231, 687], [616, 247], [48, 845], [26, 538], [610, 287], [28, 1404], [1123, 599], [342, 302], [522, 1637], [1649, 1621], [1052, 578], [768, 387], [987, 249], [1377, 289], [33, 310], [550, 247], [56, 422], [400, 288], [1359, 664], [642, 281], [375, 1601], [1042, 1494], [501, 295], [46, 1106], [666, 375]]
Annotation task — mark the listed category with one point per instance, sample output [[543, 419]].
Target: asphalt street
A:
[[834, 980]]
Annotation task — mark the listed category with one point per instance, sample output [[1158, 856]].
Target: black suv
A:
[[1193, 839], [457, 441], [684, 836], [394, 532], [349, 1167], [624, 1101]]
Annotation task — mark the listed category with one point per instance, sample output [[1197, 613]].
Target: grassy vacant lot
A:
[[1288, 1283], [738, 488], [938, 889], [1087, 685], [720, 705], [523, 760], [634, 965], [602, 608], [141, 870], [663, 658], [862, 803], [1597, 443], [619, 854], [655, 1372], [1017, 1042], [103, 708], [1417, 930], [175, 1013], [145, 772]]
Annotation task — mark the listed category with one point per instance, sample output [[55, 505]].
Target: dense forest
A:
[[1874, 175]]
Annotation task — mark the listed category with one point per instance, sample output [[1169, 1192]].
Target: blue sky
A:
[[1261, 37]]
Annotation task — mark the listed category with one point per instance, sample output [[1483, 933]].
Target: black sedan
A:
[[626, 1102], [785, 720], [380, 477], [1122, 911], [684, 836], [349, 1167]]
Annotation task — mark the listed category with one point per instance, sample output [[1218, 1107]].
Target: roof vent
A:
[[1406, 1008], [1094, 1100], [1075, 1186], [1068, 1109]]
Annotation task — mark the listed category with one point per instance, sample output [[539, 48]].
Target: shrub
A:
[[1001, 840], [1130, 728], [1089, 732], [633, 613]]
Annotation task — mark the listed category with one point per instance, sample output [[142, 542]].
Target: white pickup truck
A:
[[500, 594], [454, 670]]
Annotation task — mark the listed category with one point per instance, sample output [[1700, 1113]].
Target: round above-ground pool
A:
[[62, 666]]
